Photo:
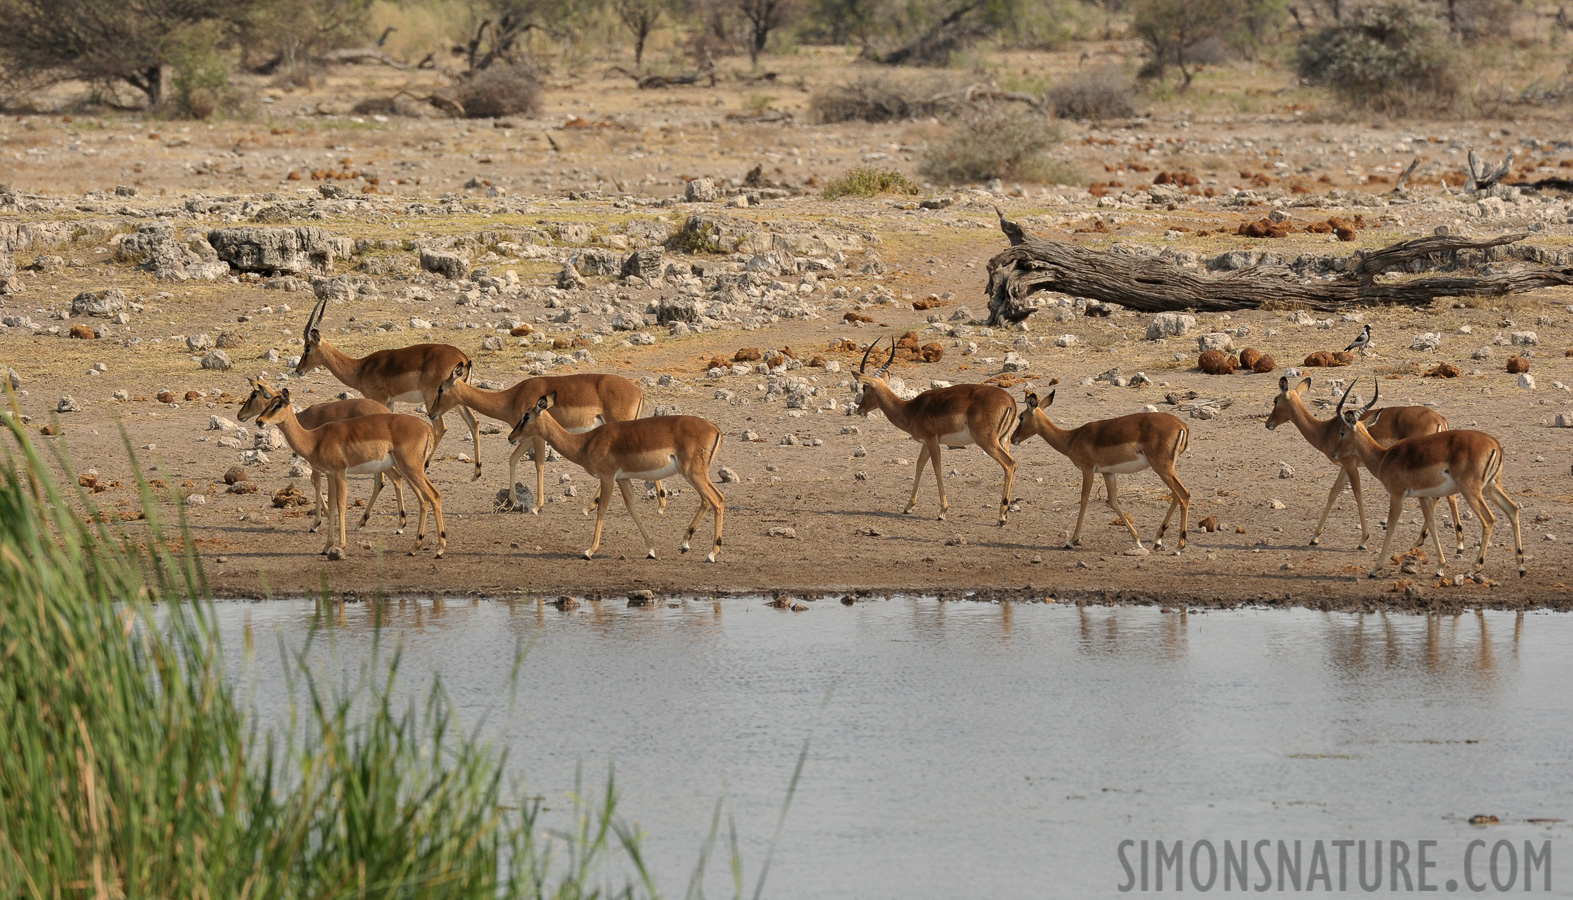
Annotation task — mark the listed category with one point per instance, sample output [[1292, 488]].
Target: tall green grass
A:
[[129, 769]]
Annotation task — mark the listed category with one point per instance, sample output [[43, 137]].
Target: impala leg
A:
[[1182, 500], [1394, 507], [435, 499], [539, 450], [626, 487], [376, 491], [1425, 525], [999, 454], [1086, 494], [1458, 523], [1354, 487], [475, 437], [1114, 504], [341, 496], [1428, 506], [939, 478], [1506, 504], [320, 510], [513, 475], [917, 478], [398, 495], [1332, 497], [709, 498], [660, 499], [439, 427], [603, 499]]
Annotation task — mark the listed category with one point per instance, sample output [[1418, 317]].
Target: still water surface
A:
[[986, 750]]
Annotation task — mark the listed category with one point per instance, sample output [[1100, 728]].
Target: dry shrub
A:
[[853, 318], [929, 302], [499, 91], [991, 142], [747, 354], [1517, 365], [1103, 93], [717, 362], [881, 99], [1249, 356], [1216, 362], [1209, 524], [868, 181], [1392, 57], [1264, 228], [1263, 365], [1178, 179], [1442, 370]]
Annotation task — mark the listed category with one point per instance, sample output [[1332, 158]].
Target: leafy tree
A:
[[1176, 32], [134, 42], [1384, 57]]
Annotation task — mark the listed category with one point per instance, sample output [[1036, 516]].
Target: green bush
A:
[[991, 142], [869, 181], [1392, 57], [132, 771]]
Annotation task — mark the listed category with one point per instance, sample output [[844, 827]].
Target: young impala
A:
[[321, 413], [1430, 467], [583, 402], [361, 446], [643, 449], [403, 374], [1118, 446], [953, 417], [1393, 423]]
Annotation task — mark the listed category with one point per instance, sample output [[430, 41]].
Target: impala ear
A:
[[284, 395], [1283, 384], [1032, 400], [1303, 386], [551, 400], [1049, 400]]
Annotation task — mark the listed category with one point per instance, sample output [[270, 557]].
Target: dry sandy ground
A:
[[844, 508]]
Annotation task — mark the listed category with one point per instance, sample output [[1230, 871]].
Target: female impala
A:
[[318, 414], [403, 374], [362, 446], [646, 449], [1118, 446], [1429, 467], [1393, 423], [583, 402], [953, 416]]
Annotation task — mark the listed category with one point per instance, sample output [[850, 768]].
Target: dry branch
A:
[[1152, 284], [1482, 176]]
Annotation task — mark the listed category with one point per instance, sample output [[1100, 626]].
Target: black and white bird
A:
[[1361, 342]]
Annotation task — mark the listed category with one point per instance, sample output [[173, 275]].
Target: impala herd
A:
[[594, 421]]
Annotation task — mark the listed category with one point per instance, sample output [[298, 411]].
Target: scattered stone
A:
[[782, 531], [1525, 339], [641, 598], [492, 342], [275, 251], [196, 500], [701, 190], [1209, 524], [197, 343], [1427, 342], [288, 496], [1169, 324], [1015, 362], [1526, 381], [235, 474], [100, 304], [1216, 340], [68, 404], [451, 266], [218, 360], [229, 340], [1275, 504], [1285, 470], [728, 476]]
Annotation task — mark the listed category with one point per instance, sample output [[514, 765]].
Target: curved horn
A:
[[863, 366], [1339, 411], [1376, 391], [314, 319], [892, 359]]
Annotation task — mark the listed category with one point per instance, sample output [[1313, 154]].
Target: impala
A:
[[954, 417], [403, 374], [313, 416], [362, 446], [583, 402], [1430, 467], [644, 449], [1118, 446], [1393, 423]]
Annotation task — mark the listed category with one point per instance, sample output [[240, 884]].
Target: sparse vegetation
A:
[[1185, 34], [880, 99], [991, 142], [869, 181], [500, 90], [1392, 58], [1102, 93]]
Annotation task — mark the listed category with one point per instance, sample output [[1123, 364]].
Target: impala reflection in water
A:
[[971, 749]]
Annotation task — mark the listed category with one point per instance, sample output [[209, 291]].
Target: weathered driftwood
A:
[[1482, 175], [1153, 284]]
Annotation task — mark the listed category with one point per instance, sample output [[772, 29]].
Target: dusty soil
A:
[[878, 256]]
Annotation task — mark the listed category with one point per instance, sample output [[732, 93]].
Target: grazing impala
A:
[[1393, 423], [953, 416], [1118, 446], [1430, 467], [583, 402], [644, 449], [362, 446], [319, 414], [403, 374]]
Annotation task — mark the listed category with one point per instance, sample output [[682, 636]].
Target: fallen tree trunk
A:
[[1152, 284]]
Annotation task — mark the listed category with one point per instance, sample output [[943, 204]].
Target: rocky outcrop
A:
[[157, 249], [294, 251]]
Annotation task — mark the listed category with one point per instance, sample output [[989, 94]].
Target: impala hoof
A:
[[651, 554], [399, 530], [1522, 571], [1362, 546], [335, 553], [1315, 541], [439, 554], [1372, 574], [586, 554], [711, 557], [683, 548]]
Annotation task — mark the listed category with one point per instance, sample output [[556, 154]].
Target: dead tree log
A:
[[1482, 175], [1152, 284]]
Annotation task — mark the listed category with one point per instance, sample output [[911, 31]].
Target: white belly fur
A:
[[408, 397], [959, 439], [1446, 489], [1124, 468], [371, 468], [666, 471], [599, 421]]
